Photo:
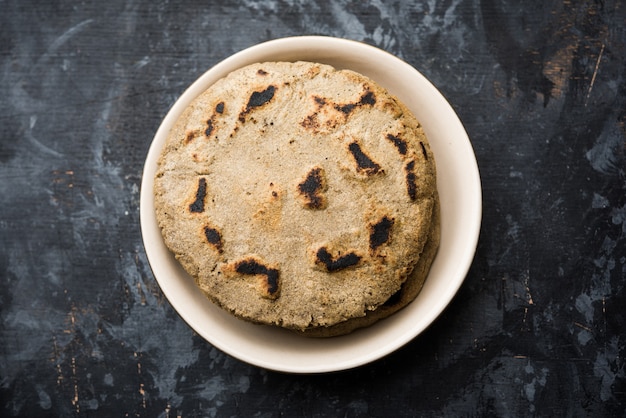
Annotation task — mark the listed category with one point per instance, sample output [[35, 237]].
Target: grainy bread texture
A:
[[300, 196], [407, 293]]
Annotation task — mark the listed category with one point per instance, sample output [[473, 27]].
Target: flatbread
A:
[[297, 195]]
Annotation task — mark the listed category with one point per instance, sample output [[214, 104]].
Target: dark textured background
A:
[[538, 327]]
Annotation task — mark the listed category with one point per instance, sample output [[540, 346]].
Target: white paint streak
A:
[[595, 73], [58, 42], [40, 146]]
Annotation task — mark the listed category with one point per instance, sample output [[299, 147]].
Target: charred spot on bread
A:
[[322, 119], [214, 237], [363, 163], [252, 267], [368, 98], [332, 264], [190, 136], [398, 142], [380, 232], [209, 127], [312, 187], [411, 180], [210, 123], [424, 150], [257, 99], [345, 108], [310, 122], [198, 204]]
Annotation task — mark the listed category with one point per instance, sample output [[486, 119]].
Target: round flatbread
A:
[[297, 195]]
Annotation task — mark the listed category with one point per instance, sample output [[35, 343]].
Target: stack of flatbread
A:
[[300, 196]]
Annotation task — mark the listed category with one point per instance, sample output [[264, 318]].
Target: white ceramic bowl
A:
[[461, 211]]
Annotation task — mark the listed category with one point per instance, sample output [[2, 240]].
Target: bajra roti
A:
[[297, 195]]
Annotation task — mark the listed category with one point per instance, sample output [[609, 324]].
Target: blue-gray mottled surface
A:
[[538, 327]]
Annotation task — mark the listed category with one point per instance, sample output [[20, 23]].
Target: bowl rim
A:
[[327, 355]]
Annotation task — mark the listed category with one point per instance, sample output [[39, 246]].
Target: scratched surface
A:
[[538, 328]]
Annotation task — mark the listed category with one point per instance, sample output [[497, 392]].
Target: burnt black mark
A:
[[261, 72], [345, 108], [339, 263], [257, 99], [363, 162], [398, 142], [252, 267], [319, 100], [198, 205], [210, 123], [367, 99], [312, 187], [411, 180], [209, 127], [214, 237], [310, 122], [380, 232], [424, 150]]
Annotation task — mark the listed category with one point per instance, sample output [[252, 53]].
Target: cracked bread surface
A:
[[297, 195]]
